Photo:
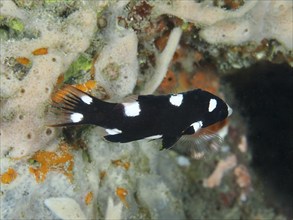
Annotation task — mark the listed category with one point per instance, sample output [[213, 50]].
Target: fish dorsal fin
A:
[[129, 99]]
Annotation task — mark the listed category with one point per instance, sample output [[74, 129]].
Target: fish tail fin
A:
[[73, 107]]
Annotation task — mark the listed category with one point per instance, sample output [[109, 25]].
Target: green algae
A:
[[3, 35], [78, 68], [16, 24], [10, 28]]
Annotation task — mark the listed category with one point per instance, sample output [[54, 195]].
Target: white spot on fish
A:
[[154, 137], [131, 109], [196, 126], [176, 99], [86, 99], [212, 105], [76, 117], [113, 131]]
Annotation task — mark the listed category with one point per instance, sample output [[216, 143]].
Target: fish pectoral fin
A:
[[198, 146], [188, 131], [169, 141]]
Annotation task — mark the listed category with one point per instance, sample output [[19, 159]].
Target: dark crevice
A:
[[264, 93]]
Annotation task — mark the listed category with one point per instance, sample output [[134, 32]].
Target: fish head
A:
[[215, 109]]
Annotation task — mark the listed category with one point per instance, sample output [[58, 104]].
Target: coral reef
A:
[[116, 67], [253, 21], [24, 99], [113, 49], [112, 70], [163, 61], [222, 167], [65, 208]]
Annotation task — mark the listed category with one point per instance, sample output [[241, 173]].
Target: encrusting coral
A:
[[23, 105], [108, 48], [24, 134], [253, 21]]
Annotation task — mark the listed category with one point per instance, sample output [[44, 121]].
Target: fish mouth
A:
[[230, 110]]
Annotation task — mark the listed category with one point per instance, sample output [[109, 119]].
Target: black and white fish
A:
[[166, 117]]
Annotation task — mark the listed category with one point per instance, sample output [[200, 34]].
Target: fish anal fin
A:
[[117, 138], [113, 138], [169, 141]]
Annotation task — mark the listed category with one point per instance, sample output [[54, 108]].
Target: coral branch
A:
[[163, 61]]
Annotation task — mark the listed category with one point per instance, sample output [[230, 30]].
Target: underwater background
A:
[[238, 50]]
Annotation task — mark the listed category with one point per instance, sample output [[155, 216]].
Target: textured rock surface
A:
[[75, 166], [254, 21], [117, 64], [25, 100]]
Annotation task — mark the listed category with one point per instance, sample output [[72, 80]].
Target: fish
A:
[[165, 117]]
